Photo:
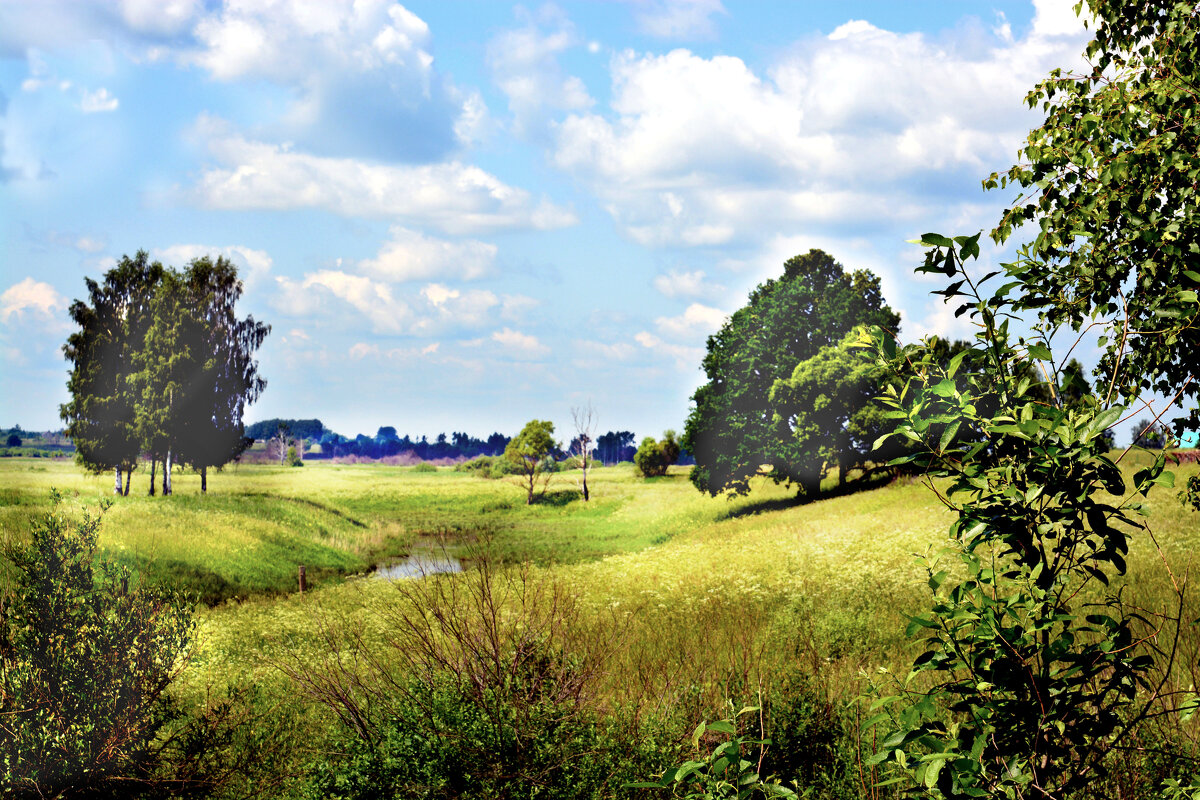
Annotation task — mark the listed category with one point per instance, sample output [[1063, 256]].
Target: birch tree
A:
[[100, 417], [585, 423]]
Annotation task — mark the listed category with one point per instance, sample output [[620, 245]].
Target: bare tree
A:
[[585, 423]]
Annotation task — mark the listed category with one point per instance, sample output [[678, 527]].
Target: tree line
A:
[[162, 368], [609, 448]]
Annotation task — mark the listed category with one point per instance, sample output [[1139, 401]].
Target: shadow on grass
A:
[[863, 484], [558, 498]]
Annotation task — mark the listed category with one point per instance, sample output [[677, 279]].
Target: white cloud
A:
[[454, 197], [686, 284], [685, 357], [97, 101], [524, 64], [30, 297], [520, 343], [253, 265], [330, 55], [679, 19], [615, 351], [164, 17], [438, 295], [411, 255], [696, 320], [371, 300], [360, 350], [862, 124], [88, 244]]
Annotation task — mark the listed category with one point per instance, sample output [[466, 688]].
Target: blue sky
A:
[[464, 215]]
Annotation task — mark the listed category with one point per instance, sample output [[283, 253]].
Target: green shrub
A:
[[424, 466], [652, 458], [293, 458], [86, 658], [443, 743]]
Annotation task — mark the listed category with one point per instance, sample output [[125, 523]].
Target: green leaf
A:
[[948, 435], [1039, 352]]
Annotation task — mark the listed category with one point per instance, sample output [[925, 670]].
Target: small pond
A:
[[418, 565]]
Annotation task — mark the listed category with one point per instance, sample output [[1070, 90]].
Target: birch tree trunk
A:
[[167, 473], [128, 479], [153, 473], [117, 481], [204, 480]]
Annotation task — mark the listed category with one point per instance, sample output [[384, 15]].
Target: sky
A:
[[460, 216]]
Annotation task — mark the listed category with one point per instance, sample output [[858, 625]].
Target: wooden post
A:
[[303, 582]]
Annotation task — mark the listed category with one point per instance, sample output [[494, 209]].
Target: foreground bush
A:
[[85, 662]]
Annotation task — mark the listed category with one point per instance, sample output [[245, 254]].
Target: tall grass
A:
[[693, 600]]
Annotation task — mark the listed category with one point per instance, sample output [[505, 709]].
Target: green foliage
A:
[[1110, 181], [13, 440], [425, 467], [293, 459], [85, 661], [731, 429], [653, 457], [441, 743], [1190, 495], [825, 412], [729, 771], [161, 364], [113, 323], [530, 452], [1033, 665]]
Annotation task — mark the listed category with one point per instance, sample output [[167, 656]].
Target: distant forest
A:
[[610, 448]]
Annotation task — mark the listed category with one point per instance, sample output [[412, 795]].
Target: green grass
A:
[[693, 599]]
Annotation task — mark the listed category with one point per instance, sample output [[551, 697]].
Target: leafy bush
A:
[[652, 458], [424, 466], [293, 458], [85, 662], [479, 690]]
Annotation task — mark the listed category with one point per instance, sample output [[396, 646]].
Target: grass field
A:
[[687, 601]]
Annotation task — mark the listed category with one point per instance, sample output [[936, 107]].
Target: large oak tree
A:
[[731, 430]]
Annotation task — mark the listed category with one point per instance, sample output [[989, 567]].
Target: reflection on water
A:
[[418, 565]]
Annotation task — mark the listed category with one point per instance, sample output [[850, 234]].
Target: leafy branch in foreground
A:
[[730, 771], [1034, 667]]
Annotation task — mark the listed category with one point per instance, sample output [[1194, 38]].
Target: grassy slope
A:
[[704, 592]]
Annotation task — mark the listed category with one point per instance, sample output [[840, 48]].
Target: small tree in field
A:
[[528, 452], [652, 458], [585, 422]]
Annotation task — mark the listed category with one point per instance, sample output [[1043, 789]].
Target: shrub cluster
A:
[[653, 457]]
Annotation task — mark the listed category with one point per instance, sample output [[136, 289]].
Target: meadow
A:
[[659, 607]]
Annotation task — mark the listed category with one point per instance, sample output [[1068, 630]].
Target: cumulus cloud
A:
[[524, 64], [861, 124], [685, 357], [520, 344], [369, 299], [454, 197], [30, 298], [410, 255], [363, 73], [686, 284], [678, 19], [696, 320]]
